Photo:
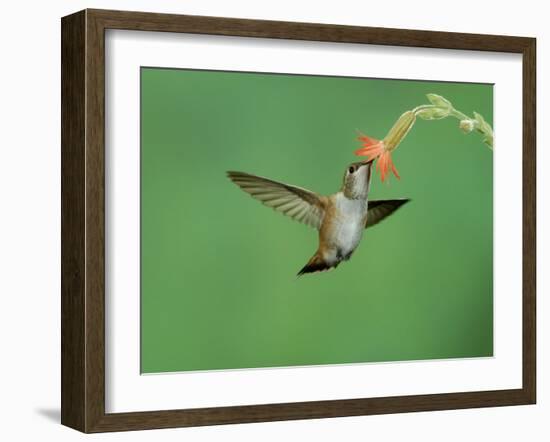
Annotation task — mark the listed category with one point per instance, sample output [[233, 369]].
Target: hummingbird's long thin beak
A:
[[367, 161], [363, 163]]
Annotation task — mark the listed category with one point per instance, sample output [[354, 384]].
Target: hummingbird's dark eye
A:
[[351, 169]]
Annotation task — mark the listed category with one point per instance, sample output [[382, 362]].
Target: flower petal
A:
[[371, 151], [393, 169], [383, 165], [367, 140]]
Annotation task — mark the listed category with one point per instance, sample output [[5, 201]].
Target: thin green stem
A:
[[459, 115], [441, 108]]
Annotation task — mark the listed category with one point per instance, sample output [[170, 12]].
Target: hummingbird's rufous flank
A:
[[340, 218]]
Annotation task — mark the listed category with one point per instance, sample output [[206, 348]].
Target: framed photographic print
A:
[[269, 220]]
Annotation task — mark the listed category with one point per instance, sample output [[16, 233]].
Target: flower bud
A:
[[439, 101], [433, 113], [399, 130], [467, 126]]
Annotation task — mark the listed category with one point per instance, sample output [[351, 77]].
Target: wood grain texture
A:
[[95, 221], [146, 21], [83, 220], [529, 220], [73, 129]]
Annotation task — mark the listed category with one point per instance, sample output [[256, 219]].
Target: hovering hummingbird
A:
[[340, 218]]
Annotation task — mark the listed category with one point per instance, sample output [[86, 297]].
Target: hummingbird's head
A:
[[357, 180]]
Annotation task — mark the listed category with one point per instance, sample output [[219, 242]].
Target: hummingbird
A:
[[340, 218]]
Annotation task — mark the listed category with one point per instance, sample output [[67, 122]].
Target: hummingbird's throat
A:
[[357, 186]]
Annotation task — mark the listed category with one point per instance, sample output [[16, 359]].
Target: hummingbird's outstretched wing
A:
[[380, 209], [300, 204]]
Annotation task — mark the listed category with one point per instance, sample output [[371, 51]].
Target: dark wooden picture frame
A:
[[83, 219]]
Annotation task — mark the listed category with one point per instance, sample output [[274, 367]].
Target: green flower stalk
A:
[[438, 109], [441, 108]]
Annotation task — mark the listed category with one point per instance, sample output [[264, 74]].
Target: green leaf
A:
[[439, 101]]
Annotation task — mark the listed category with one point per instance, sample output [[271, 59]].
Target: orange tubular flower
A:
[[372, 149], [381, 150]]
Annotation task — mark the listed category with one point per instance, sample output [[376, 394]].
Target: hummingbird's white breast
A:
[[346, 227]]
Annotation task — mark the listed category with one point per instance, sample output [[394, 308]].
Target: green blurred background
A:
[[218, 284]]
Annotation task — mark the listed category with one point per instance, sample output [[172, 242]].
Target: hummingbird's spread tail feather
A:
[[316, 264]]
